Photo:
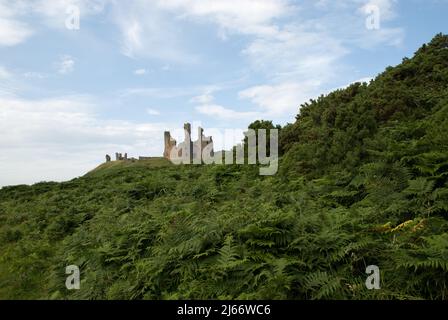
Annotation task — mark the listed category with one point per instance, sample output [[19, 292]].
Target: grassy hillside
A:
[[363, 181], [120, 167]]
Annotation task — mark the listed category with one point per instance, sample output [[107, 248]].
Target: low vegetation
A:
[[363, 180]]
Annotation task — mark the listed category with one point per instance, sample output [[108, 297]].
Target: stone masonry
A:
[[187, 150]]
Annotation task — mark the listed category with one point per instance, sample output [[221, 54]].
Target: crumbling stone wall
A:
[[170, 143], [187, 150], [120, 157]]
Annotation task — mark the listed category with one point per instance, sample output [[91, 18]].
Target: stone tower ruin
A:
[[189, 151]]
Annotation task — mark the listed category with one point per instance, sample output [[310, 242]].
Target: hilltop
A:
[[363, 181], [119, 167]]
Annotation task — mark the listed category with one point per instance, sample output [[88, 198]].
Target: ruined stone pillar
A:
[[200, 133], [167, 149], [187, 154]]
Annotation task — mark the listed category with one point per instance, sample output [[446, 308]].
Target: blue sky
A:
[[135, 68]]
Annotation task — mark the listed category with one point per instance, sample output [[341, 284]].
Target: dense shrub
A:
[[363, 181]]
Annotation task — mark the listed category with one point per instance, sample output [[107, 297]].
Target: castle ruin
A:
[[120, 157], [189, 151]]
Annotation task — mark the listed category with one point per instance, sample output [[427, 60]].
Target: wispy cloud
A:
[[171, 92], [203, 98], [12, 30], [302, 58], [35, 75], [149, 32], [154, 29], [282, 53], [9, 85], [64, 138], [66, 64], [220, 112], [152, 112], [140, 72], [240, 16], [207, 106], [53, 13], [297, 59], [282, 99], [4, 74], [386, 7]]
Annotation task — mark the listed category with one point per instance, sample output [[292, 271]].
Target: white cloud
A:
[[295, 52], [149, 32], [386, 8], [207, 106], [4, 74], [61, 138], [153, 28], [169, 92], [35, 75], [281, 100], [140, 72], [8, 82], [152, 112], [203, 98], [159, 93], [346, 20], [220, 112], [53, 8], [242, 16], [302, 59], [13, 32], [297, 58], [54, 12], [66, 64]]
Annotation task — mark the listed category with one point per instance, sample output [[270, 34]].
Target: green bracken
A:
[[363, 180]]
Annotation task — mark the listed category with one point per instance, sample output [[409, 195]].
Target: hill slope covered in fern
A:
[[363, 181]]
